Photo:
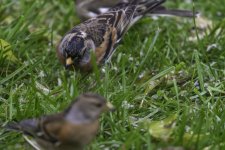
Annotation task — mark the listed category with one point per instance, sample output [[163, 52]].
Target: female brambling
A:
[[100, 35], [72, 129], [87, 9]]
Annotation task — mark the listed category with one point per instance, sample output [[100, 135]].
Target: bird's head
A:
[[75, 48], [89, 107]]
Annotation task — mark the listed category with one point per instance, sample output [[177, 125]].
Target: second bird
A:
[[101, 34], [71, 129]]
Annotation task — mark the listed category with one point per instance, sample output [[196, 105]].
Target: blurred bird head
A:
[[88, 106], [74, 49]]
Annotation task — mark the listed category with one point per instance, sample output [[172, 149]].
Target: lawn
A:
[[166, 79]]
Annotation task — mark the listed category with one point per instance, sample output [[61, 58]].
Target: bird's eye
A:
[[78, 39], [98, 105]]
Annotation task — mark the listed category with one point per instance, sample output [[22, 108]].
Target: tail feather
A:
[[28, 127], [174, 12], [17, 127], [13, 126]]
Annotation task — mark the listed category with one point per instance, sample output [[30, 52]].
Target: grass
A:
[[168, 91]]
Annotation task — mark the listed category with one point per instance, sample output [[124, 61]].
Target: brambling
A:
[[71, 129], [87, 9], [101, 35]]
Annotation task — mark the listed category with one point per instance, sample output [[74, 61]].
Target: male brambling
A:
[[100, 35], [87, 9], [71, 129]]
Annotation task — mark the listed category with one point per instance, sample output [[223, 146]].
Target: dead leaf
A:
[[163, 129], [5, 49]]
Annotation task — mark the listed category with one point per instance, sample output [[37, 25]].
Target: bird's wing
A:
[[118, 22], [126, 14]]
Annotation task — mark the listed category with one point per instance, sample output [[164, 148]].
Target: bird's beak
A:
[[110, 107], [69, 62]]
